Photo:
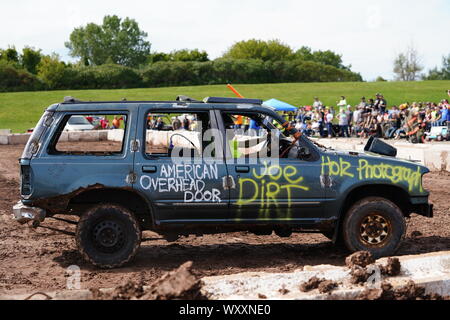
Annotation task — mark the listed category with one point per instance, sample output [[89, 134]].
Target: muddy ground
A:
[[36, 259]]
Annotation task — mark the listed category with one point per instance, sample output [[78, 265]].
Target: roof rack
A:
[[180, 98], [232, 100], [69, 99]]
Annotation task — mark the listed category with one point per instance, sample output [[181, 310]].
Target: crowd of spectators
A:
[[372, 117]]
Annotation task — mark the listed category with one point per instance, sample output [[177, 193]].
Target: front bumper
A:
[[24, 214]]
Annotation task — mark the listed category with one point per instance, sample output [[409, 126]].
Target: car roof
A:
[[183, 106]]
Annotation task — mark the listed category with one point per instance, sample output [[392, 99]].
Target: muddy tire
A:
[[108, 236], [374, 224]]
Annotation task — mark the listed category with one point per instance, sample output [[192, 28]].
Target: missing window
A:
[[91, 134]]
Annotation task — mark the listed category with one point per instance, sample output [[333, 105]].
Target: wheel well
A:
[[126, 198], [395, 194]]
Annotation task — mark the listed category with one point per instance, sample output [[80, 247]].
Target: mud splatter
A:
[[360, 259]]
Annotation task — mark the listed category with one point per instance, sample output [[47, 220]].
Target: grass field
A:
[[21, 110]]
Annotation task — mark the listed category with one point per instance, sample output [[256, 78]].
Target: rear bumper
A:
[[24, 214]]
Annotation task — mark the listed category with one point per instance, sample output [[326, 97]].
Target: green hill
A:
[[21, 110]]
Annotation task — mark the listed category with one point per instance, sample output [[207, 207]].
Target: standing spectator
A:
[[444, 114], [380, 103], [357, 119], [117, 122], [186, 123], [329, 122], [317, 103], [370, 106], [159, 124], [176, 124], [363, 103], [104, 123], [343, 103], [343, 123]]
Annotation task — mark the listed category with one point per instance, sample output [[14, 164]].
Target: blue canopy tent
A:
[[280, 105]]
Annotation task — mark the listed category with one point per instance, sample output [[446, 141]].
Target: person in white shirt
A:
[[343, 103], [317, 103], [329, 123], [357, 120]]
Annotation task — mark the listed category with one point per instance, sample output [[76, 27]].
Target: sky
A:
[[368, 33]]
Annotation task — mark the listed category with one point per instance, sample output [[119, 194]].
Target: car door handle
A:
[[149, 169], [242, 169]]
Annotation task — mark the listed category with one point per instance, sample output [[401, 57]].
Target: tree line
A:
[[117, 54]]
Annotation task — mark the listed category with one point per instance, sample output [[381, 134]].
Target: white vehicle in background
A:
[[78, 123]]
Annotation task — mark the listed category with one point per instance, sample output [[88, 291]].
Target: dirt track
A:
[[34, 260]]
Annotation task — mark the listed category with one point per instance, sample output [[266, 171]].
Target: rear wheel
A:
[[374, 224], [108, 235]]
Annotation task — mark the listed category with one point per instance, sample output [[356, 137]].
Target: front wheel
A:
[[108, 235], [374, 224]]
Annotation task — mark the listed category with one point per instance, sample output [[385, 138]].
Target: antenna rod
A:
[[234, 91]]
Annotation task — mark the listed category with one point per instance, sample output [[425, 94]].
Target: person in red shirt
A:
[[104, 123]]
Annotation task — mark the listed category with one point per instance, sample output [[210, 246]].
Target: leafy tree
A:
[[189, 55], [271, 50], [116, 40], [440, 74], [327, 57], [51, 70], [304, 53], [30, 59], [13, 79], [9, 55], [380, 79], [330, 58], [407, 65], [179, 55], [159, 56]]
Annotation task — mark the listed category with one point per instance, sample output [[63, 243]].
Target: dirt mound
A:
[[360, 258], [327, 286], [392, 268], [311, 284], [178, 284], [359, 273], [411, 291], [324, 285], [128, 291]]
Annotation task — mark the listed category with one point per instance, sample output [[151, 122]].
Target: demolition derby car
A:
[[219, 165]]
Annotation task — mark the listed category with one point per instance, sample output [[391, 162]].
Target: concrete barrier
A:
[[431, 271], [115, 135], [18, 138], [94, 135], [4, 139]]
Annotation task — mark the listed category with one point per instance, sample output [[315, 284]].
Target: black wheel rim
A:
[[108, 236], [375, 230]]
